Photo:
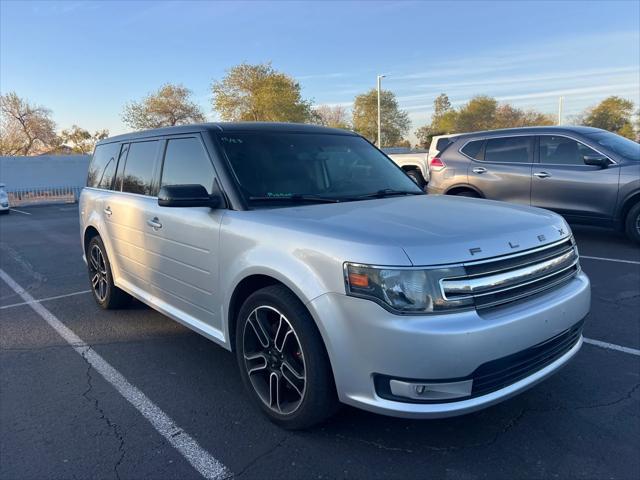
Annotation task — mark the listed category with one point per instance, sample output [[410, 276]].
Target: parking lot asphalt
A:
[[60, 417]]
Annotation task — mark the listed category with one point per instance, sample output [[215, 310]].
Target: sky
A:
[[85, 60]]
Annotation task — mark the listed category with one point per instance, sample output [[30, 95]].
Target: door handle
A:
[[155, 223], [107, 211], [479, 170], [542, 174]]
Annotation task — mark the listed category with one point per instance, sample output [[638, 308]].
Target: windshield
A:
[[620, 145], [300, 166]]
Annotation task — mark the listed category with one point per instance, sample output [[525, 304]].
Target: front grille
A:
[[506, 279], [505, 371], [500, 373]]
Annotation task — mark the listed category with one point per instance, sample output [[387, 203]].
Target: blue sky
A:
[[85, 60]]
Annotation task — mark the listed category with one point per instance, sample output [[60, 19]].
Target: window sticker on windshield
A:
[[279, 194], [230, 140]]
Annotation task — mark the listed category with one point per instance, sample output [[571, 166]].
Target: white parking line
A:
[[612, 346], [198, 457], [19, 211], [617, 260], [45, 299]]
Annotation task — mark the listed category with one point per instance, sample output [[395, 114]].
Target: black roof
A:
[[228, 127], [533, 130]]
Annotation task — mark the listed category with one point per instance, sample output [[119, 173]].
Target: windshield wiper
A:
[[387, 192], [296, 197]]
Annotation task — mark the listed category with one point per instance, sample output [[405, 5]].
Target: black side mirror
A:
[[596, 160], [186, 196]]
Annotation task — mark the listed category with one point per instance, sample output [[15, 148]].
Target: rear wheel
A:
[[106, 294], [282, 360], [466, 193], [632, 223]]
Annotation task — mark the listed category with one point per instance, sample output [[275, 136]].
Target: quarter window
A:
[[186, 162], [103, 166], [138, 171], [563, 151], [509, 150], [473, 149]]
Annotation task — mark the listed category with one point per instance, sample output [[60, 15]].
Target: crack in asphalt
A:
[[512, 423], [103, 416], [256, 459]]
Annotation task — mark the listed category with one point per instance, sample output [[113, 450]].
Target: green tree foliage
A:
[[395, 122], [81, 140], [25, 128], [480, 113], [260, 93], [332, 116], [169, 105], [614, 114]]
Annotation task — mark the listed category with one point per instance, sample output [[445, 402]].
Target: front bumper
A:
[[364, 341]]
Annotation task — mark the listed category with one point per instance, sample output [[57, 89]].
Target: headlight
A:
[[404, 290]]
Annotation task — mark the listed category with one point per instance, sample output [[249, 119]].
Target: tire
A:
[[105, 293], [632, 223], [278, 342], [5, 212], [418, 179], [467, 193]]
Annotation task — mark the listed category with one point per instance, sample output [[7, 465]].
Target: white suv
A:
[[328, 272]]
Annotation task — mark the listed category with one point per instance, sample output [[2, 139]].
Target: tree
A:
[[170, 105], [443, 121], [25, 128], [478, 114], [80, 140], [508, 116], [614, 114], [334, 117], [395, 122], [260, 93]]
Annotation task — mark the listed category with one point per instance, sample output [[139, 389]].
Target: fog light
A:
[[431, 391]]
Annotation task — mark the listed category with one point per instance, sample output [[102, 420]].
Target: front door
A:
[[182, 243], [504, 173], [563, 183]]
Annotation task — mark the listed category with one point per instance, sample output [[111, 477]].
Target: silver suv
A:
[[588, 175], [328, 272]]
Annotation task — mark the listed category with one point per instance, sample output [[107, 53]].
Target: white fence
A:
[[43, 179]]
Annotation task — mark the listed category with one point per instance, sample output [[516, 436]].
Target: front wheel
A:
[[282, 359], [632, 223], [416, 176]]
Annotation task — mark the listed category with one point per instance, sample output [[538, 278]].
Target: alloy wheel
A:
[[98, 272], [274, 360]]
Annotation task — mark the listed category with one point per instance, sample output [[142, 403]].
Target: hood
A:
[[430, 229]]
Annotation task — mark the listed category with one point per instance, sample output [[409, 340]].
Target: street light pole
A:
[[560, 108], [380, 77]]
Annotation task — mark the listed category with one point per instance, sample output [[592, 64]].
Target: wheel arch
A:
[[627, 205], [455, 189]]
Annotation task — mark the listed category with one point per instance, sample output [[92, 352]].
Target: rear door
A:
[[502, 170], [563, 183], [182, 243], [127, 209]]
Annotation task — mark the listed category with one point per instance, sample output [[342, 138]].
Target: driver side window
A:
[[186, 162], [559, 150]]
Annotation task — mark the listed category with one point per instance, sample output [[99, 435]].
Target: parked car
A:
[[588, 175], [415, 165], [328, 272], [4, 199], [439, 143]]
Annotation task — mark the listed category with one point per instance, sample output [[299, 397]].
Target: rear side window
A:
[[509, 150], [186, 162], [473, 149], [138, 171], [442, 144], [103, 166], [563, 151]]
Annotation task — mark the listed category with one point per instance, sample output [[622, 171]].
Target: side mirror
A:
[[186, 196], [596, 160]]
